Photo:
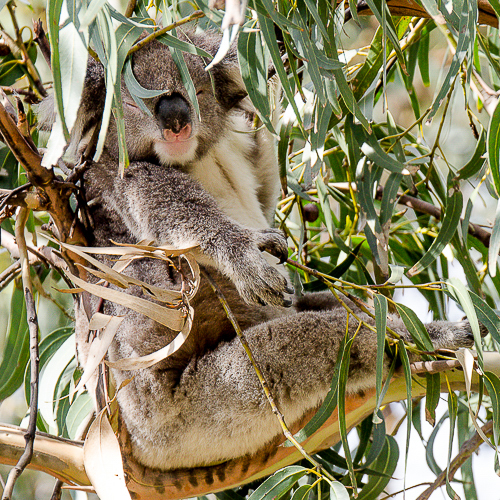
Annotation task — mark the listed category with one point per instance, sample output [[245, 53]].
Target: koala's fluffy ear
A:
[[94, 92]]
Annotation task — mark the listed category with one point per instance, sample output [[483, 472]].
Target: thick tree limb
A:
[[486, 14], [63, 458], [48, 186]]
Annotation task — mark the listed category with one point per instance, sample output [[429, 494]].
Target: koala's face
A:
[[175, 132]]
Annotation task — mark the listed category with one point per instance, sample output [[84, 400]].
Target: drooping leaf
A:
[[279, 483], [16, 351], [386, 463], [449, 226], [381, 323], [103, 461]]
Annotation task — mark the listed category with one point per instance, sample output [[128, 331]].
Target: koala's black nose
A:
[[173, 113]]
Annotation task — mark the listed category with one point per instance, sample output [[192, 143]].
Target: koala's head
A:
[[173, 133]]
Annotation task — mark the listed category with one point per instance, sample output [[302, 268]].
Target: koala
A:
[[212, 181]]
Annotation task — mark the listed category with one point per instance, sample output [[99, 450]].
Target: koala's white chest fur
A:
[[228, 174]]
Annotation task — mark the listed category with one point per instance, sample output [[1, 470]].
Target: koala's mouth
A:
[[179, 147]]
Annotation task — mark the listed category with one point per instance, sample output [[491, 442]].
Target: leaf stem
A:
[[195, 15]]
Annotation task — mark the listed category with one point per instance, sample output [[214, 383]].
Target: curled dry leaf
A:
[[171, 318], [466, 359], [107, 327], [128, 253], [103, 461], [155, 357]]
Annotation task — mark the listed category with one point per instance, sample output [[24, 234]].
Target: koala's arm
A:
[[169, 207]]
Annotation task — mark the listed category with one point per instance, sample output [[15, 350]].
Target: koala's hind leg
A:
[[222, 411]]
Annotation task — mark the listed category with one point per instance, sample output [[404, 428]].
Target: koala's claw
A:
[[260, 283], [256, 280], [274, 242]]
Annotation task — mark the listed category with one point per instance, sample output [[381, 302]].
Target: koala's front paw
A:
[[274, 242], [448, 335], [256, 280]]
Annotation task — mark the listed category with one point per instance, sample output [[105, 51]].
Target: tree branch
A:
[[57, 193], [29, 437], [59, 457], [486, 14], [466, 450], [63, 458], [420, 206]]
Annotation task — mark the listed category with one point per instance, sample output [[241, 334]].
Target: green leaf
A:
[[415, 327], [423, 59], [378, 442], [377, 7], [178, 58], [380, 303], [389, 197], [47, 348], [338, 491], [386, 463], [279, 483], [492, 383], [253, 67], [267, 30], [494, 247], [466, 469], [476, 162], [16, 351], [487, 316], [458, 290], [172, 41], [90, 14], [429, 449], [228, 495], [409, 410], [135, 87], [53, 15], [324, 200], [449, 226], [302, 492], [343, 375], [136, 90], [77, 413], [452, 411], [311, 63], [463, 43], [372, 149], [432, 395]]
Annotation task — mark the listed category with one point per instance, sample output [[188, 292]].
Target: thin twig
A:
[[466, 450], [130, 8], [9, 274], [434, 366], [42, 41], [29, 437], [420, 206], [195, 15], [57, 491], [25, 58], [260, 376]]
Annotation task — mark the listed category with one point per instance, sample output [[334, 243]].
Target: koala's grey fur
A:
[[204, 404]]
